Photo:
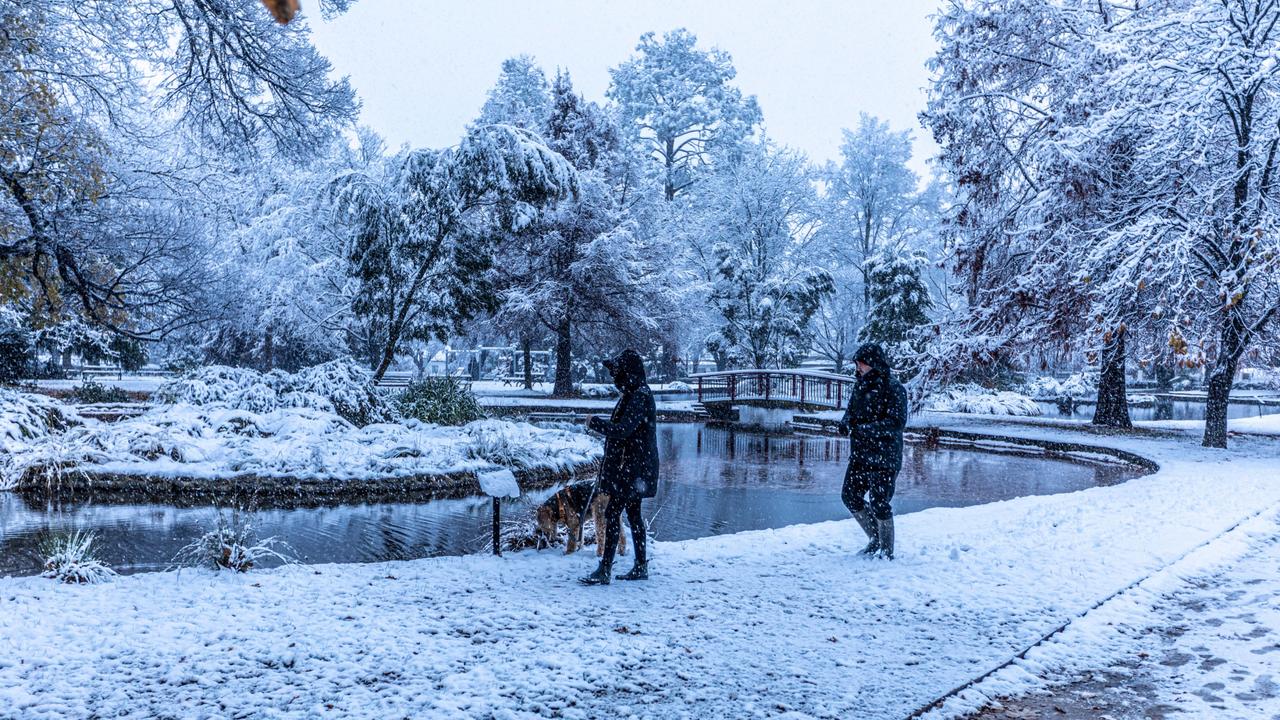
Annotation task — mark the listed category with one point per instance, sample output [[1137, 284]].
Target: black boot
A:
[[868, 525], [885, 535], [601, 576], [639, 572]]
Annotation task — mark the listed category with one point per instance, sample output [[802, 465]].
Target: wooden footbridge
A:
[[804, 389]]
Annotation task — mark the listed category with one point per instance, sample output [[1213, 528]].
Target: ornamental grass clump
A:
[[92, 392], [440, 400], [232, 545], [70, 558]]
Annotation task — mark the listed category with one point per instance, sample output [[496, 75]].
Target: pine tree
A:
[[900, 304]]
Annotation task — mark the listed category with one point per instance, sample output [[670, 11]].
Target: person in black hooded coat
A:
[[874, 421], [629, 468]]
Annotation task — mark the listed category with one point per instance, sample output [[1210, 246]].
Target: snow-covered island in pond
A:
[[281, 432]]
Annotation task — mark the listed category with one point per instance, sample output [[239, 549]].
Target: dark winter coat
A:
[[876, 415], [629, 469]]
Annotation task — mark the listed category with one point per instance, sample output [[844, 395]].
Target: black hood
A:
[[627, 369], [873, 355]]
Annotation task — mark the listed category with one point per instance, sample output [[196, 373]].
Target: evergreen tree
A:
[[421, 229], [900, 304]]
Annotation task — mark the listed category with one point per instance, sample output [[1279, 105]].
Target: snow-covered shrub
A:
[[26, 416], [25, 419], [70, 559], [92, 391], [231, 545], [678, 386], [598, 391], [1078, 385], [978, 400], [336, 386], [440, 400], [349, 388], [206, 385]]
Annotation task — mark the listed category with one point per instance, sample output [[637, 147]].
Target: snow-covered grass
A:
[[26, 420], [442, 400], [69, 558], [232, 545], [337, 386], [783, 622], [213, 441], [977, 400]]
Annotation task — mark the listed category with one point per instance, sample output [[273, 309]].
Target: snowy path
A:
[[1204, 645], [758, 624]]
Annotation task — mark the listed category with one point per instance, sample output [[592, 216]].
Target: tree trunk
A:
[[564, 358], [526, 347], [1113, 404], [669, 189], [1220, 380], [388, 354], [268, 350]]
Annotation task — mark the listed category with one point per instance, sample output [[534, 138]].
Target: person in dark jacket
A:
[[629, 469], [874, 421]]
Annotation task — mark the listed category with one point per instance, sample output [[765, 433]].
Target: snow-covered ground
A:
[[782, 623], [1197, 639], [132, 383]]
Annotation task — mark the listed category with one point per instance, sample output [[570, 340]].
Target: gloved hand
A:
[[844, 428]]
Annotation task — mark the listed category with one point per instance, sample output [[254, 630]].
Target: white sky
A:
[[422, 67]]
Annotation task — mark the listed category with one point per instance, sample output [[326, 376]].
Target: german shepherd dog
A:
[[565, 507]]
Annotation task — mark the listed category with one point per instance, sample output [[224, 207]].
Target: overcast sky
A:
[[422, 68]]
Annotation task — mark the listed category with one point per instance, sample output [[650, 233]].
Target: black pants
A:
[[878, 484], [613, 527]]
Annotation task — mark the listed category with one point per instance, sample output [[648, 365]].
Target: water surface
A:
[[713, 481]]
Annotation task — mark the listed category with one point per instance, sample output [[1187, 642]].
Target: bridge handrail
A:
[[803, 387], [819, 374]]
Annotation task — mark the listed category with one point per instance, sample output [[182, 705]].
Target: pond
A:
[[1166, 409], [714, 481]]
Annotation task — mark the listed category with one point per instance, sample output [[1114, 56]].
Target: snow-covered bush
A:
[[978, 400], [1078, 385], [678, 386], [598, 391], [350, 388], [232, 545], [336, 386], [92, 391], [70, 559], [440, 400], [26, 418]]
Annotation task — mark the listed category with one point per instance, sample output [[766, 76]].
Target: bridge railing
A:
[[801, 387]]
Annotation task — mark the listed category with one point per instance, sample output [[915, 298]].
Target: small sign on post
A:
[[498, 484]]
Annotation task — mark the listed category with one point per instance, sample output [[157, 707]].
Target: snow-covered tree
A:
[[421, 229], [678, 102], [1011, 75], [900, 305], [1118, 165], [872, 204], [766, 283], [521, 97], [109, 111], [581, 269]]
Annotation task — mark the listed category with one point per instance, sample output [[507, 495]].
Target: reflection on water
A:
[[714, 480], [1165, 409]]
